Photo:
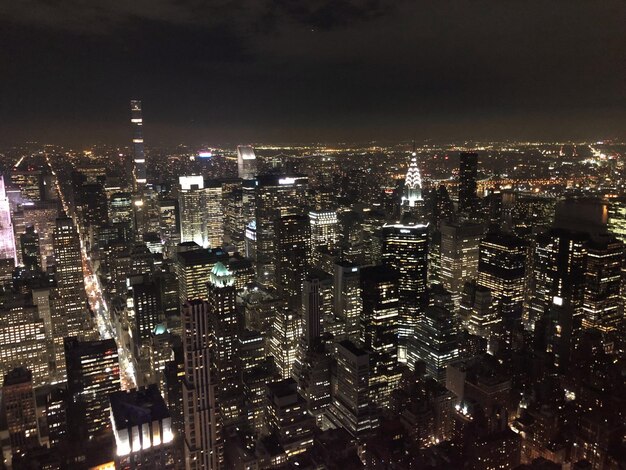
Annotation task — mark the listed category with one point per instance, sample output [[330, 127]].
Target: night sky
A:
[[221, 71]]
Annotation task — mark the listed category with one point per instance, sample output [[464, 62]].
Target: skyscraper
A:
[[348, 303], [69, 300], [276, 197], [324, 229], [7, 236], [351, 406], [246, 162], [379, 329], [285, 333], [412, 200], [468, 174], [204, 447], [460, 243], [31, 256], [502, 270], [93, 372], [139, 172], [200, 209], [437, 341], [405, 250], [293, 249], [20, 411]]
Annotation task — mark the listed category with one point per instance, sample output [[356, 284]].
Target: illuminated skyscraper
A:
[[140, 175], [285, 334], [7, 236], [20, 411], [460, 242], [601, 304], [192, 269], [246, 162], [379, 329], [200, 209], [412, 200], [293, 248], [405, 250], [69, 300], [477, 312], [468, 174], [324, 230], [225, 339], [437, 341], [502, 270], [276, 197], [348, 303], [351, 406], [204, 447], [93, 372]]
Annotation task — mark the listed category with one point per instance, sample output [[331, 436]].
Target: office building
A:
[[460, 247], [31, 256], [502, 269], [69, 300], [192, 269], [284, 336], [276, 197], [405, 250], [203, 446], [412, 201], [287, 418], [437, 341], [93, 372], [246, 162], [351, 407], [468, 175], [379, 330], [293, 249], [324, 230], [348, 303], [19, 409]]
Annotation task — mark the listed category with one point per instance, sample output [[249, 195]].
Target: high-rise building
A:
[[351, 407], [602, 303], [324, 230], [405, 250], [437, 341], [204, 447], [192, 269], [348, 303], [224, 338], [139, 171], [412, 201], [142, 427], [143, 307], [478, 313], [93, 372], [201, 214], [276, 197], [246, 162], [379, 329], [502, 270], [460, 246], [20, 411], [24, 342], [69, 300], [468, 174], [287, 418], [121, 208], [285, 333], [31, 256], [7, 236], [293, 249]]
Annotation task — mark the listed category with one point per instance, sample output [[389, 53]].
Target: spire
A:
[[221, 276], [412, 184]]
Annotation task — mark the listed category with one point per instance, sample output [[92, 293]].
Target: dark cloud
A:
[[280, 69]]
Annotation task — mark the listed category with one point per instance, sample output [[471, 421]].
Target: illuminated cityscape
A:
[[335, 235]]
